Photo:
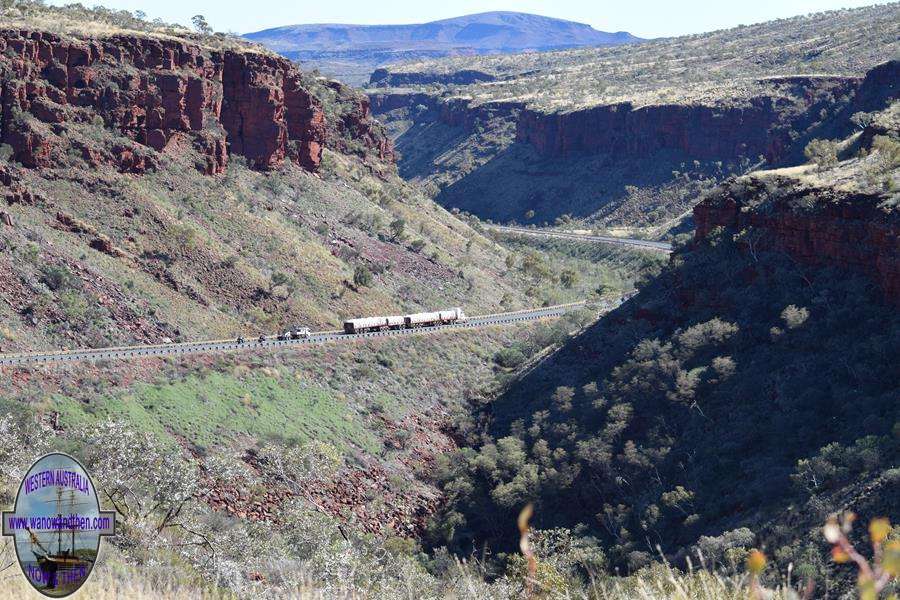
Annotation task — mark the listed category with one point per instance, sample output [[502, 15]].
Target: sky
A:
[[644, 18]]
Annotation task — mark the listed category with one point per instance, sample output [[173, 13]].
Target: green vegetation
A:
[[220, 408], [570, 270], [822, 152], [79, 20], [634, 432]]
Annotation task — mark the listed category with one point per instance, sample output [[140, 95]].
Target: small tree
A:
[[822, 152], [794, 317], [201, 25], [862, 119], [398, 226], [568, 278], [562, 398], [278, 278], [362, 276]]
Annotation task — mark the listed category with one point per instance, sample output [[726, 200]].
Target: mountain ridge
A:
[[335, 47]]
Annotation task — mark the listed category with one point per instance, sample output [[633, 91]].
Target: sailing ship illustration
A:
[[65, 566]]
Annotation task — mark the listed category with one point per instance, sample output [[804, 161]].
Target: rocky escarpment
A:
[[760, 125], [455, 112], [158, 94], [387, 78], [815, 225], [880, 85]]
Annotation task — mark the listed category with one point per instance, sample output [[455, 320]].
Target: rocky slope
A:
[[188, 189], [157, 92], [158, 187], [727, 130], [850, 230], [591, 133], [763, 353]]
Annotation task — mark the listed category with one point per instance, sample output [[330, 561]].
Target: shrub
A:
[[362, 277], [822, 152], [59, 278], [509, 358], [794, 317], [888, 149]]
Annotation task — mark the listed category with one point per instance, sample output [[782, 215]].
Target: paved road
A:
[[131, 352], [605, 239]]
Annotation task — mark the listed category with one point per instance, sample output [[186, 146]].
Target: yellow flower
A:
[[890, 561], [838, 555], [879, 529], [867, 589], [756, 561]]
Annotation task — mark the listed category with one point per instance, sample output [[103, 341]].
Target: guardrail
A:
[[181, 348], [603, 239]]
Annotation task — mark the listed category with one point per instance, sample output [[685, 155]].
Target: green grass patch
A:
[[215, 409]]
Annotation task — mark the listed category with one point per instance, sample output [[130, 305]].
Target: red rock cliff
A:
[[844, 229], [758, 125], [158, 93]]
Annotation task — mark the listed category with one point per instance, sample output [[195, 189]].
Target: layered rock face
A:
[[757, 126], [159, 93], [356, 123], [456, 112], [386, 78], [843, 229]]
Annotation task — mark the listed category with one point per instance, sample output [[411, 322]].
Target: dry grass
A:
[[702, 68], [657, 583], [98, 22]]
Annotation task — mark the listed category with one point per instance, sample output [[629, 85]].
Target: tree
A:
[[362, 276], [278, 278], [509, 358], [862, 119], [568, 278], [417, 245], [794, 317], [201, 25], [398, 226], [529, 215], [822, 152], [562, 398]]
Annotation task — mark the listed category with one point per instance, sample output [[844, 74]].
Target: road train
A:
[[366, 324], [297, 333], [413, 321]]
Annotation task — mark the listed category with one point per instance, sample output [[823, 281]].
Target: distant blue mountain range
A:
[[352, 51]]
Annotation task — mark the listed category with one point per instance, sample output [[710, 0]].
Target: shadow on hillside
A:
[[519, 179], [709, 381]]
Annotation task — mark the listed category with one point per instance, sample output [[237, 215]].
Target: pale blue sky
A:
[[645, 18]]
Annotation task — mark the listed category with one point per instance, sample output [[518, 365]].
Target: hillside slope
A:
[[735, 402], [158, 187], [627, 136], [350, 52], [163, 185]]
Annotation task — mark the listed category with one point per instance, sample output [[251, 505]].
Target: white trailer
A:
[[365, 324], [422, 319]]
